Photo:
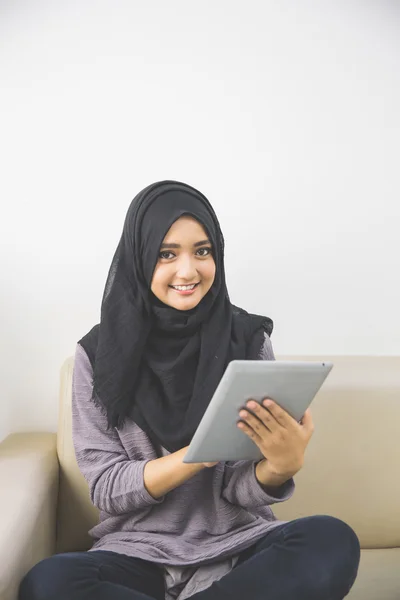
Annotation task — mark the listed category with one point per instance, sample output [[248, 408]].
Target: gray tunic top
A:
[[196, 531]]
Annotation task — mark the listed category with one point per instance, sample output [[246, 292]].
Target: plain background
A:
[[284, 113]]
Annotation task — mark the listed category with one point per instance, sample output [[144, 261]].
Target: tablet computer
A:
[[291, 384]]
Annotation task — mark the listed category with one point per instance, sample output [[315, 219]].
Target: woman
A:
[[142, 381]]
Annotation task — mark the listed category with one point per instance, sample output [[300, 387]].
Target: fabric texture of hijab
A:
[[152, 363]]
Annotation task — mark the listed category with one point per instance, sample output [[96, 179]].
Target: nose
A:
[[186, 269]]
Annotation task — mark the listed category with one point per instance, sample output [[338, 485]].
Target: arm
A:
[[164, 474], [250, 484], [117, 484]]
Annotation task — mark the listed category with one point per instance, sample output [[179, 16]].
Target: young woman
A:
[[142, 381]]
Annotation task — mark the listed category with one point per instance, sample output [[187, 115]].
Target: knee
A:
[[337, 535], [48, 580], [338, 550]]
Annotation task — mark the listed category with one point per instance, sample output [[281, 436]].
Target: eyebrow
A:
[[196, 245]]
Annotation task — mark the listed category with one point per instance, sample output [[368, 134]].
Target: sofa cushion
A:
[[378, 576]]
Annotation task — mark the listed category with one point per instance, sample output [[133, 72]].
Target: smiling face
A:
[[185, 269]]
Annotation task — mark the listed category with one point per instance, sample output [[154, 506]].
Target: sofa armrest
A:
[[28, 504]]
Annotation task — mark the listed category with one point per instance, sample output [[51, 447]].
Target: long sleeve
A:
[[115, 481], [242, 488], [240, 483]]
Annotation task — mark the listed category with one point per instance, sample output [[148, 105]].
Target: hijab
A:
[[152, 363]]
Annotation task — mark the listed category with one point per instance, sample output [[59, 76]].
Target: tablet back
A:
[[292, 385]]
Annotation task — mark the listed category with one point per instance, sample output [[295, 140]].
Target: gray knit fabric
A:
[[197, 530]]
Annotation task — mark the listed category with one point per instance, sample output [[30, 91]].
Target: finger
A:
[[264, 415], [255, 423], [249, 431], [280, 415], [307, 421]]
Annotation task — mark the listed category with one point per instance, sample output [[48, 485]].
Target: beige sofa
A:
[[352, 471]]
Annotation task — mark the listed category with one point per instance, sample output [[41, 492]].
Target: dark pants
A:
[[315, 558]]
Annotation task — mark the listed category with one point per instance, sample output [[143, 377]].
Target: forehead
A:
[[185, 228]]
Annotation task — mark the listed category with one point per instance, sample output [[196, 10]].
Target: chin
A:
[[185, 303]]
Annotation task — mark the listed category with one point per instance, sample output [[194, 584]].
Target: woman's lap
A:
[[314, 557]]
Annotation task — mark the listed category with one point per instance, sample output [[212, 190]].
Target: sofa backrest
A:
[[76, 514], [352, 463]]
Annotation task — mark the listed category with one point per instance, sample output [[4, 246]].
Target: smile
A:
[[184, 288]]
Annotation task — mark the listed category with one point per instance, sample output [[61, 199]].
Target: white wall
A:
[[286, 114]]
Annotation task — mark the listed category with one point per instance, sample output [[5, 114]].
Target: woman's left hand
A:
[[281, 439]]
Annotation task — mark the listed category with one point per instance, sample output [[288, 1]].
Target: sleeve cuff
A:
[[138, 484], [270, 495]]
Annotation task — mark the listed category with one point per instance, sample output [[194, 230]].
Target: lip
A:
[[186, 292]]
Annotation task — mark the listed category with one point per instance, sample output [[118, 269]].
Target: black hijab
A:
[[152, 363]]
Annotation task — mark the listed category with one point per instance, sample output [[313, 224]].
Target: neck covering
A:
[[152, 363]]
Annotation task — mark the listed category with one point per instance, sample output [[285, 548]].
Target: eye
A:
[[166, 255], [203, 252]]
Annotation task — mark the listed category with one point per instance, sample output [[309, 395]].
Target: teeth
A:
[[184, 288]]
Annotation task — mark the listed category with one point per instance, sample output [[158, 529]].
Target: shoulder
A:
[[89, 343], [83, 371], [267, 352]]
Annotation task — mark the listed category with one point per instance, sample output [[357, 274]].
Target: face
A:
[[185, 269]]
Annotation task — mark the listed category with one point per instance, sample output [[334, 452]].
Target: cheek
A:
[[209, 272], [160, 278]]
